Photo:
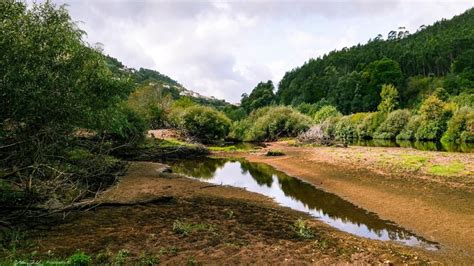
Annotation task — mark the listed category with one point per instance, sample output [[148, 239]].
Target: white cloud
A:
[[224, 48]]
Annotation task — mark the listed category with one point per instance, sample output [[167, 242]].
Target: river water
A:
[[296, 194]]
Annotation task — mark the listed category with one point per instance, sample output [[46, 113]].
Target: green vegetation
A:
[[451, 169], [46, 70], [368, 83], [302, 230], [121, 257], [274, 153], [185, 229], [412, 162], [351, 79], [270, 123], [204, 123], [79, 258], [262, 95], [461, 126], [326, 112], [393, 125]]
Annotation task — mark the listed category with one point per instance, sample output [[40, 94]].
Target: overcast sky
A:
[[224, 48]]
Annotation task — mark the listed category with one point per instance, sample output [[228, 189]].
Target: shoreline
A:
[[434, 207], [257, 230]]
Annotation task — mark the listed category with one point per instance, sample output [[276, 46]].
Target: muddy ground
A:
[[395, 183], [226, 226]]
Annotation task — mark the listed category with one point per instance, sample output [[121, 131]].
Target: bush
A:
[[271, 123], [204, 123], [329, 126], [151, 103], [274, 153], [389, 98], [79, 258], [307, 109], [393, 125], [326, 112], [434, 116], [121, 123], [302, 230], [464, 99], [429, 130], [345, 129], [460, 126], [468, 134], [408, 132], [370, 123]]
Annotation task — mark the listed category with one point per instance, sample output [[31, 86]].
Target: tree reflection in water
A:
[[299, 195]]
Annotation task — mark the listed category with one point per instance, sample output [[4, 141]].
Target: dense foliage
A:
[[55, 91], [262, 95], [440, 55], [204, 123], [271, 123]]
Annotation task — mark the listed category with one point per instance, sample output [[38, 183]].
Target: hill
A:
[[163, 83], [440, 55]]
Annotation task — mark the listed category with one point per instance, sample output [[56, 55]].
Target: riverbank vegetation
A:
[[72, 116], [68, 108]]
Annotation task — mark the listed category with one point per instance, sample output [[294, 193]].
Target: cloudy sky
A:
[[224, 48]]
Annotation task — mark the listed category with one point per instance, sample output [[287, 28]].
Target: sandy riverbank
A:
[[236, 226], [393, 183]]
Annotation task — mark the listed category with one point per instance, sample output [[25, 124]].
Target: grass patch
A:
[[411, 162], [225, 148], [240, 147], [185, 229], [455, 168], [274, 153], [302, 230], [164, 143]]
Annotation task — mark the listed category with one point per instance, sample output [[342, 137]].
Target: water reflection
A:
[[299, 195], [419, 145]]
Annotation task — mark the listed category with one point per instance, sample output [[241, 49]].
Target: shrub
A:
[[370, 123], [275, 153], [326, 112], [151, 104], [329, 126], [79, 258], [271, 123], [307, 109], [121, 257], [434, 116], [185, 229], [121, 123], [393, 125], [468, 134], [408, 132], [459, 125], [204, 123], [302, 230], [389, 96], [464, 99], [345, 129]]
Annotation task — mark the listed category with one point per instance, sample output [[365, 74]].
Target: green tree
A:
[[53, 88], [262, 95], [205, 123], [433, 119], [389, 99], [460, 126], [326, 112]]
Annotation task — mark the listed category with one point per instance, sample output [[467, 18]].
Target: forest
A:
[[73, 117]]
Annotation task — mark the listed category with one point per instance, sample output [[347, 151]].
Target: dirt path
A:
[[224, 225], [439, 208]]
